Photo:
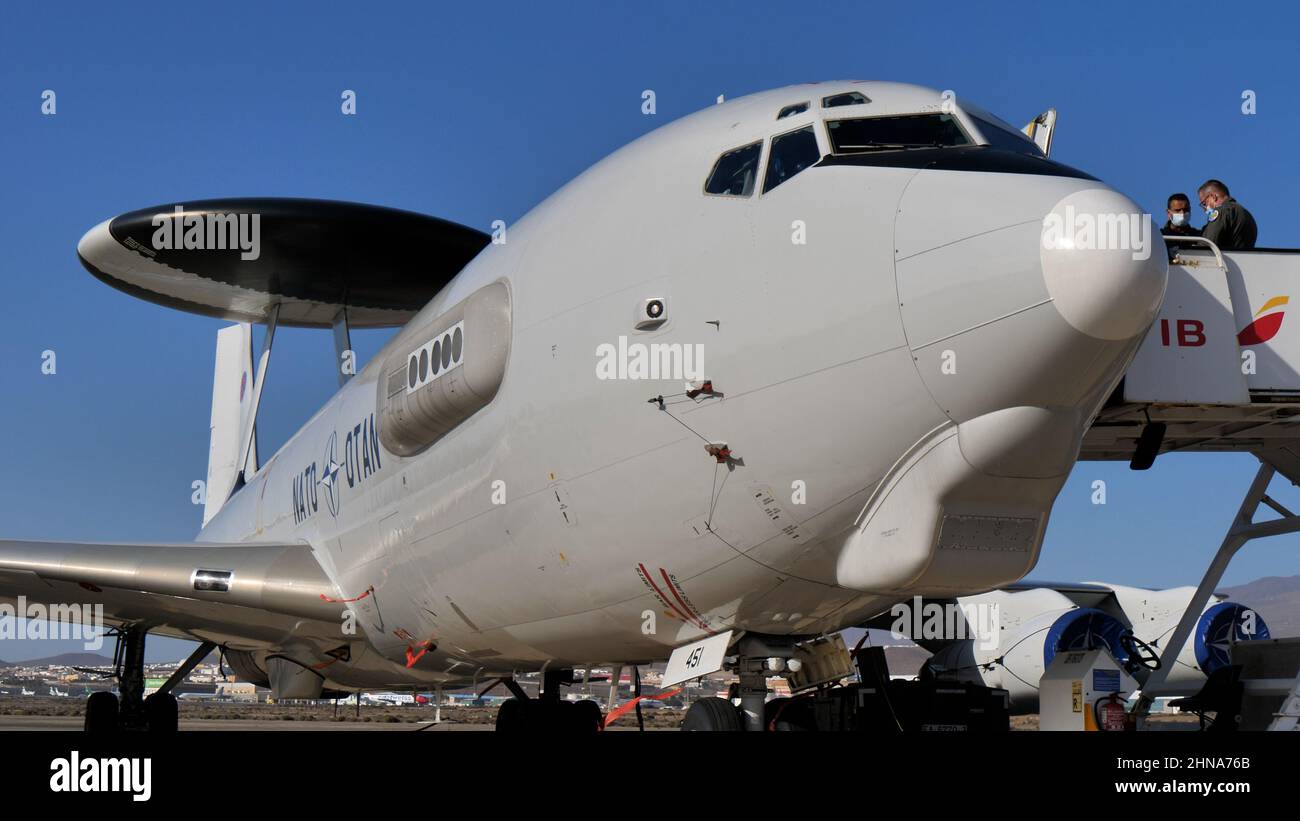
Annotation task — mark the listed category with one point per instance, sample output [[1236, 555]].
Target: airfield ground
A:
[[51, 713]]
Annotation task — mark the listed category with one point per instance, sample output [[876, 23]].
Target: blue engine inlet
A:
[[1220, 627], [1085, 628]]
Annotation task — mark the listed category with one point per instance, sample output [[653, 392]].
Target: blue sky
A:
[[476, 115]]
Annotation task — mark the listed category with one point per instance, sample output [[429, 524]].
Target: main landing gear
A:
[[133, 710], [547, 713]]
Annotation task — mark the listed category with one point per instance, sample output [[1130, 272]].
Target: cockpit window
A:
[[847, 98], [858, 136], [791, 110], [791, 153], [735, 172], [1000, 135]]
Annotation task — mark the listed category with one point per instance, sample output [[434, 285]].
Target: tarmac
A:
[[74, 724]]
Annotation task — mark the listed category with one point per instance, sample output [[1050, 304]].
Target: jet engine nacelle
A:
[[246, 667], [1036, 624]]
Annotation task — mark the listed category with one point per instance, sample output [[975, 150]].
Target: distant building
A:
[[237, 690]]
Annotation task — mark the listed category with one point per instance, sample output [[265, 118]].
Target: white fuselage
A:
[[572, 521]]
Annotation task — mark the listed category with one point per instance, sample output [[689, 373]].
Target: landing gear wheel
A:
[[512, 716], [712, 715], [162, 713], [101, 713], [586, 717]]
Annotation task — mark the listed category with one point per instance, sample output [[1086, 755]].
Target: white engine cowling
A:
[[1037, 623]]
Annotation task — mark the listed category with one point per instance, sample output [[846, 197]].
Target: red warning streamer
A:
[[621, 710], [369, 590], [412, 656]]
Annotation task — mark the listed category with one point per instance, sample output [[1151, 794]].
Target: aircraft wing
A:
[[243, 596]]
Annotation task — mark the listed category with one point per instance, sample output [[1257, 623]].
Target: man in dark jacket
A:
[[1178, 210], [1227, 222]]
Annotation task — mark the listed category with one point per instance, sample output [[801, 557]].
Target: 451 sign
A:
[[696, 659]]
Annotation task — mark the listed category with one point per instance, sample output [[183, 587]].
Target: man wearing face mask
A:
[[1227, 222], [1179, 224]]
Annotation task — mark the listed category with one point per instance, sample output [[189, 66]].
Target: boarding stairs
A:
[[1219, 371], [1220, 368]]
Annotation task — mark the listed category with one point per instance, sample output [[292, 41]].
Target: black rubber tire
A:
[[712, 715], [101, 713], [587, 717], [512, 716], [162, 713]]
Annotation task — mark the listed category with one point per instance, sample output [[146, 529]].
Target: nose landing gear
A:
[[827, 698], [713, 715], [757, 658]]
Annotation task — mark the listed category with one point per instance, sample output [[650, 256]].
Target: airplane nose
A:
[[1101, 264], [1024, 298], [1023, 290]]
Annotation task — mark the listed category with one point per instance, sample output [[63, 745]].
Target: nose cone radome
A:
[[1104, 264]]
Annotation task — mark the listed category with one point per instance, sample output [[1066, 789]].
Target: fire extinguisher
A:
[[1109, 713]]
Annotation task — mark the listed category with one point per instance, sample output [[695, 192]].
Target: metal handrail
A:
[[1218, 255]]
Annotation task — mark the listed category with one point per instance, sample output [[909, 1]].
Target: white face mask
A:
[[1178, 218]]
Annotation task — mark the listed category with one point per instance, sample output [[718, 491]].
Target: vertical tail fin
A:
[[232, 401]]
